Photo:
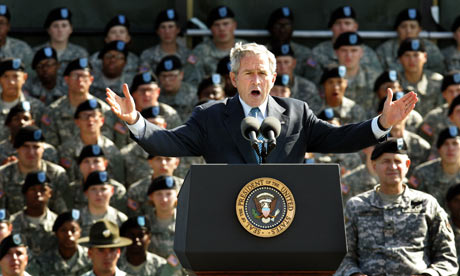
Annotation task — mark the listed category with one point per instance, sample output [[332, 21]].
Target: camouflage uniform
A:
[[306, 91], [118, 272], [183, 101], [136, 163], [357, 181], [11, 181], [427, 90], [171, 116], [87, 219], [76, 198], [71, 148], [360, 87], [99, 85], [34, 88], [435, 121], [131, 67], [154, 265], [58, 123], [413, 121], [186, 162], [37, 231], [348, 111], [406, 237], [418, 149], [150, 57], [347, 161], [457, 239], [7, 149], [51, 263], [451, 58], [15, 48], [388, 55]]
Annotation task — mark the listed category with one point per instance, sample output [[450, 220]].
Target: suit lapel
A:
[[276, 110]]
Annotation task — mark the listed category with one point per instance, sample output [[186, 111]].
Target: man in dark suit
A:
[[213, 130]]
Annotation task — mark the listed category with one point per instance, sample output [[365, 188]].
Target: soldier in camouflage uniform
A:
[[453, 207], [343, 19], [167, 28], [58, 122], [394, 230], [118, 29], [211, 89], [452, 53], [36, 221], [13, 249], [29, 145], [407, 25], [58, 24]]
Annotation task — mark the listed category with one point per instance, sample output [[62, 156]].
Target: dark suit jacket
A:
[[213, 131]]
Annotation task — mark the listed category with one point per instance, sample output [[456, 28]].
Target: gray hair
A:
[[240, 50]]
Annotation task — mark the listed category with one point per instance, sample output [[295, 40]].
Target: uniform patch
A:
[[412, 13], [146, 77], [64, 13], [426, 128], [170, 13], [118, 127], [223, 12], [48, 52], [66, 163], [121, 19], [192, 59], [172, 260], [45, 120], [168, 64], [413, 181], [311, 62], [345, 189], [133, 205], [347, 11], [286, 11]]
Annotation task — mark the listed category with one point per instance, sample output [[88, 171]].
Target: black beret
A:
[[13, 240], [168, 63], [28, 134], [453, 104], [447, 133], [215, 79], [328, 114], [163, 182], [116, 45], [35, 178], [282, 80], [91, 104], [396, 96], [20, 107], [14, 64], [390, 146], [341, 12], [142, 78], [44, 53], [283, 50], [96, 178], [137, 222], [449, 79], [150, 112], [333, 72], [166, 15], [224, 66], [58, 14], [218, 13], [456, 24], [77, 64], [73, 215], [348, 39], [408, 14], [283, 12], [90, 151], [4, 11], [117, 20], [411, 44], [387, 76]]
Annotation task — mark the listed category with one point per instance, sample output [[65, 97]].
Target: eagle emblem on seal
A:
[[265, 204]]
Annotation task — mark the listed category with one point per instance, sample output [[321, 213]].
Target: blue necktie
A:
[[254, 112]]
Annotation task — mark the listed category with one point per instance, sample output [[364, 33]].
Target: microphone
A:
[[249, 129], [270, 129]]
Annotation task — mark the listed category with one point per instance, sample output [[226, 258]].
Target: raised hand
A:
[[394, 112], [123, 107]]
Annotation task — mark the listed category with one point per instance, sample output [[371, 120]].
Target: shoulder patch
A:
[[172, 260], [66, 163], [118, 127], [345, 189], [192, 59], [132, 204], [426, 128], [413, 181], [45, 120], [311, 62]]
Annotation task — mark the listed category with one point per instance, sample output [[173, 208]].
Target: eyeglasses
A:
[[113, 56], [86, 117], [82, 76]]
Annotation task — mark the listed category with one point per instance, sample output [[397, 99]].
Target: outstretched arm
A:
[[394, 112], [124, 108]]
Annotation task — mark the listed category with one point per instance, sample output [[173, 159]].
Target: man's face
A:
[[349, 56], [12, 82], [334, 89], [343, 25], [90, 121], [254, 79], [104, 259], [68, 234], [382, 92], [164, 200], [223, 30], [455, 116], [91, 164], [171, 81], [280, 91], [168, 31], [37, 196], [285, 65], [140, 238], [450, 151], [21, 119], [451, 92], [146, 95], [113, 63], [212, 92], [163, 165], [5, 230], [117, 33], [282, 30], [30, 154], [391, 168], [413, 61], [47, 70], [4, 27], [60, 30], [99, 195], [15, 261], [408, 29], [79, 81]]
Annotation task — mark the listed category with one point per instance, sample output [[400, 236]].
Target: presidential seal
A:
[[265, 207]]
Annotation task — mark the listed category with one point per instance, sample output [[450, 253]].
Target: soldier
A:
[[223, 69], [168, 29], [407, 25], [334, 86], [58, 122], [98, 191], [118, 29], [89, 120], [58, 25], [36, 221], [211, 89], [412, 55], [104, 244], [13, 255], [46, 85], [301, 89], [343, 19], [437, 176], [453, 207], [175, 92], [29, 145], [394, 230], [281, 87]]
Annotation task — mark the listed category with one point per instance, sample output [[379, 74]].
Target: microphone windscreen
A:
[[270, 123], [249, 124]]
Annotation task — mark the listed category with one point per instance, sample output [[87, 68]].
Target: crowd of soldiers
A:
[[68, 164]]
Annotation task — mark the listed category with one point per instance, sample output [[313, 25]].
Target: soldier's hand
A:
[[394, 112], [123, 107]]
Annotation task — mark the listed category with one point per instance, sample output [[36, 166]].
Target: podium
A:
[[210, 240]]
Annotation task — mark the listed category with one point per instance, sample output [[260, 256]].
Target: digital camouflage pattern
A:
[[87, 219], [150, 57], [348, 111], [183, 101]]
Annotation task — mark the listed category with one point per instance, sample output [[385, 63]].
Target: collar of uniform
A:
[[247, 108], [376, 201]]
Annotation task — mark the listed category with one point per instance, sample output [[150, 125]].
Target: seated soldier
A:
[[453, 208], [117, 29], [281, 87], [412, 55], [46, 85], [13, 255], [98, 191], [334, 86], [92, 158], [36, 221], [394, 230], [223, 69], [408, 25], [89, 120], [29, 145], [210, 89], [18, 117]]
